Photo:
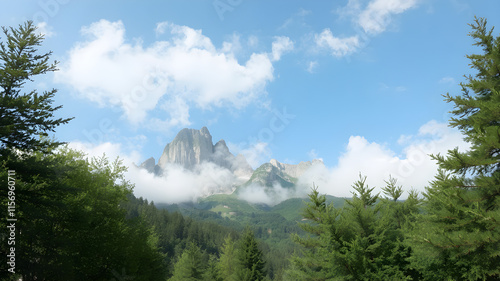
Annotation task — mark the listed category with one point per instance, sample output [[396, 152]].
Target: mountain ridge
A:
[[191, 149]]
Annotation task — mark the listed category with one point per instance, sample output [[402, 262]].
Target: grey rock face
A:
[[150, 166], [236, 164], [192, 147], [189, 148]]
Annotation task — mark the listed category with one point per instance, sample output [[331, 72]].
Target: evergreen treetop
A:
[[25, 116], [477, 111]]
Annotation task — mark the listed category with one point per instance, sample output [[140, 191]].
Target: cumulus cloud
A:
[[378, 14], [281, 45], [188, 69], [413, 167], [339, 47]]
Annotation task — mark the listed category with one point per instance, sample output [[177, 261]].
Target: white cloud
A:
[[281, 45], [255, 153], [373, 16], [178, 110], [350, 10], [111, 150], [414, 168], [187, 70], [180, 185], [44, 29], [378, 14], [339, 47]]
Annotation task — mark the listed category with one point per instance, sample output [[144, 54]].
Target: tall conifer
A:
[[458, 236], [250, 258]]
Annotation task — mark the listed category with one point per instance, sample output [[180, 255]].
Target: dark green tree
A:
[[250, 258], [71, 225], [362, 241], [24, 117], [75, 229], [314, 262], [460, 228]]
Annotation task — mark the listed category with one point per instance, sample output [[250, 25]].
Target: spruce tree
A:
[[458, 236], [228, 264], [212, 272], [25, 116], [362, 241], [315, 261], [250, 258], [191, 264]]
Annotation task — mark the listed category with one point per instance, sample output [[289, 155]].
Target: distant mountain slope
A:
[[231, 207], [274, 172], [268, 175]]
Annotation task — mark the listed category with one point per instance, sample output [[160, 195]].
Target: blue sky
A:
[[356, 83]]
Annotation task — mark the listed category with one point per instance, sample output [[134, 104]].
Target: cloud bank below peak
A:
[[186, 70]]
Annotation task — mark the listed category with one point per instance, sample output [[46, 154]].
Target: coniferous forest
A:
[[68, 217]]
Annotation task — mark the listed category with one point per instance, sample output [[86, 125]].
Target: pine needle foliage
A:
[[458, 235]]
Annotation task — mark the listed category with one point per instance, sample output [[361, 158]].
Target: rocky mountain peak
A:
[[205, 131], [150, 166], [221, 146], [192, 147], [189, 148]]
